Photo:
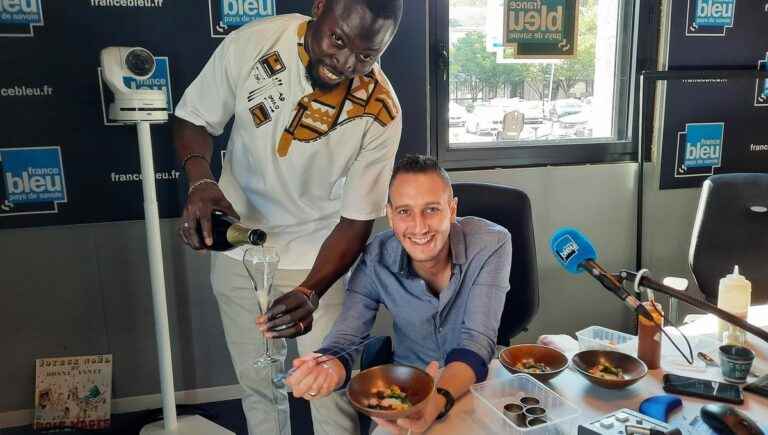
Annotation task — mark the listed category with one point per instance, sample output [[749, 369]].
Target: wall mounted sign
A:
[[541, 29]]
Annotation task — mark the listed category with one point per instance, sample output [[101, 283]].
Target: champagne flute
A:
[[263, 264]]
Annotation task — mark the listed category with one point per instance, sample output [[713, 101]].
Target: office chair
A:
[[510, 208], [511, 126], [731, 228]]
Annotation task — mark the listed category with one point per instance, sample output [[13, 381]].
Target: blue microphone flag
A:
[[571, 248]]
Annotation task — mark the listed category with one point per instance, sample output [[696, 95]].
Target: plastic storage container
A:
[[491, 396], [599, 338]]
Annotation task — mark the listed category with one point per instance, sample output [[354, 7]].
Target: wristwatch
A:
[[314, 299], [449, 401]]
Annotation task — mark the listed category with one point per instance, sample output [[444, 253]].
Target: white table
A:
[[595, 401]]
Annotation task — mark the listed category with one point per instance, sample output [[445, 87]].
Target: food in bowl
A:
[[415, 384], [609, 369], [390, 398], [605, 370], [540, 362], [530, 365]]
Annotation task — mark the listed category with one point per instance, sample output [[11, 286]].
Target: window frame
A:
[[640, 42]]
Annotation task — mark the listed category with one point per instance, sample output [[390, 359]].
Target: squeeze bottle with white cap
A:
[[734, 295]]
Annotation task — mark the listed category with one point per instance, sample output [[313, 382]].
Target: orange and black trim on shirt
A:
[[321, 111], [301, 33]]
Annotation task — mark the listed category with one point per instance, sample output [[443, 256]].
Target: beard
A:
[[314, 79]]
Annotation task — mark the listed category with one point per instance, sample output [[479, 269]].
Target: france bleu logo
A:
[[228, 15], [566, 248], [761, 85], [18, 17], [159, 80], [709, 17], [31, 180], [699, 149]]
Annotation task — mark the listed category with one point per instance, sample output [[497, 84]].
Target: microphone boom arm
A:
[[645, 281], [612, 283]]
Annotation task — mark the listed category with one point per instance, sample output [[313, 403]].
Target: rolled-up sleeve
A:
[[209, 101], [361, 303], [483, 311]]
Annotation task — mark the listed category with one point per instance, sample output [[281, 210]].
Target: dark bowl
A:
[[415, 382], [633, 369], [549, 356]]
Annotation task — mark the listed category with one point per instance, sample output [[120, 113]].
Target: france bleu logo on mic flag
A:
[[571, 248]]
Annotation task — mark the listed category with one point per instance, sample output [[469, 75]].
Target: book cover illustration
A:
[[73, 392]]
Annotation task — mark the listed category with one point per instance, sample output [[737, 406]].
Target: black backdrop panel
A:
[[736, 45], [731, 133], [51, 103], [715, 126]]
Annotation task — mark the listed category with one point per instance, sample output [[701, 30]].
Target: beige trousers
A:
[[265, 404]]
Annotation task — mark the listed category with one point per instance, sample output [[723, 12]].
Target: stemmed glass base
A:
[[266, 361]]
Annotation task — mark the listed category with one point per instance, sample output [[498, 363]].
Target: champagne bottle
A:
[[228, 233]]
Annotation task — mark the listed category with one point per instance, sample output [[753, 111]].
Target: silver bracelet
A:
[[199, 182]]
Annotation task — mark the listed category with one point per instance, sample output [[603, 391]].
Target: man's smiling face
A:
[[420, 211], [345, 40]]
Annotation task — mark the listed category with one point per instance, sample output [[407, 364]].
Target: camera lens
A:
[[140, 62]]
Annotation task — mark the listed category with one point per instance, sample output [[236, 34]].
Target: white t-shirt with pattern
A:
[[297, 158]]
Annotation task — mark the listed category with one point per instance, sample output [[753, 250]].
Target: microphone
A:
[[576, 254]]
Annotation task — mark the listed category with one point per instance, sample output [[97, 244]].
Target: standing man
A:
[[444, 279], [316, 128]]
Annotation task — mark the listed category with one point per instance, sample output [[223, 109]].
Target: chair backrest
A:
[[513, 122], [731, 228], [510, 208]]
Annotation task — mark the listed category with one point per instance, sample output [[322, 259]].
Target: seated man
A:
[[443, 279]]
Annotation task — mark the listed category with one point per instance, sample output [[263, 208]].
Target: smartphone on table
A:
[[703, 388]]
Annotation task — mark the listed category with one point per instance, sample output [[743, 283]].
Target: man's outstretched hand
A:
[[315, 376]]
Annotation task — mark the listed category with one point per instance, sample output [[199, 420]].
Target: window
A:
[[491, 110]]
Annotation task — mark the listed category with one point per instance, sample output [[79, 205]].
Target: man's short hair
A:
[[419, 164], [382, 9]]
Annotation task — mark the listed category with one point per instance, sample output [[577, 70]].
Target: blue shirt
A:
[[459, 324]]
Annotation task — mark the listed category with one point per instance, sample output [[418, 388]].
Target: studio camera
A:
[[122, 68]]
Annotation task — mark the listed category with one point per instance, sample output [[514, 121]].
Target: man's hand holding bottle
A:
[[204, 197]]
